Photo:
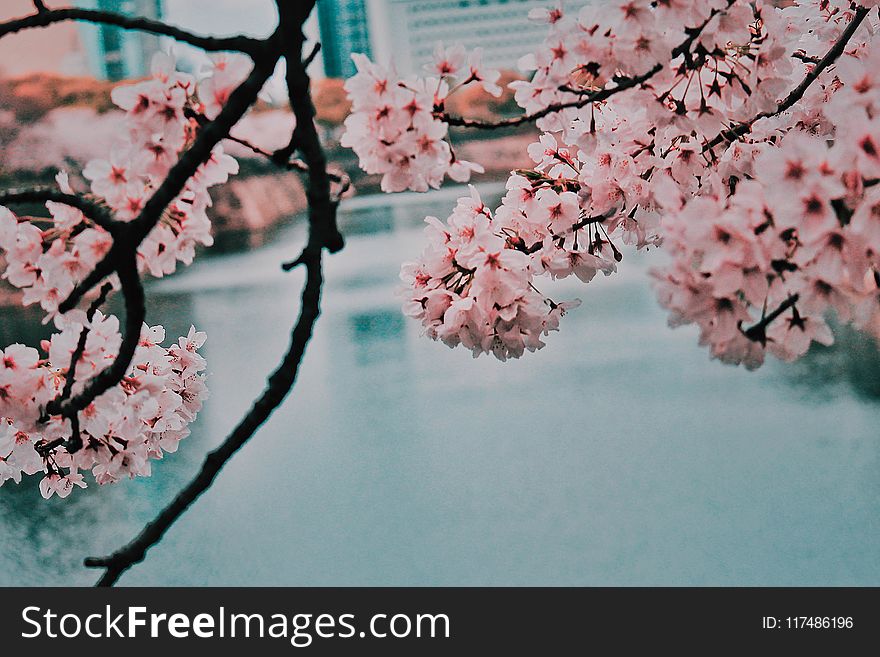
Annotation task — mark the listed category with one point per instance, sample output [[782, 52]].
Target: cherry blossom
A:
[[122, 431], [773, 228], [395, 126], [149, 411], [48, 263]]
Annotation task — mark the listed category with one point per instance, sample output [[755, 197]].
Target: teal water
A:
[[618, 455]]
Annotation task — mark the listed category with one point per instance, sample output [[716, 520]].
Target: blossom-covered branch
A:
[[135, 314], [767, 234], [322, 234], [117, 401], [798, 92], [92, 208], [586, 97]]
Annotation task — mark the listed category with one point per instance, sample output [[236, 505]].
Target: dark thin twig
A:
[[758, 332], [104, 268], [587, 97], [248, 45], [322, 210], [279, 385], [798, 92], [291, 165], [209, 136], [135, 313], [81, 344], [593, 219], [74, 443], [93, 209], [39, 6], [311, 57], [592, 97], [321, 215], [804, 57]]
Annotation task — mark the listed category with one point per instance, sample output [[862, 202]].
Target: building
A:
[[406, 31], [113, 53], [344, 29]]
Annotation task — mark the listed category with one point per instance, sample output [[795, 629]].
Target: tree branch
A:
[[81, 344], [74, 443], [277, 389], [758, 332], [93, 209], [209, 136], [135, 313], [240, 100], [587, 97], [592, 97], [322, 209], [798, 92], [280, 383], [292, 164], [45, 17]]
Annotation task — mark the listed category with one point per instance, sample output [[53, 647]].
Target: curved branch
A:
[[277, 389], [593, 97], [81, 343], [280, 383], [209, 136], [46, 17], [322, 209], [588, 97], [798, 92], [74, 443], [135, 314], [105, 267], [93, 209], [240, 100], [291, 164]]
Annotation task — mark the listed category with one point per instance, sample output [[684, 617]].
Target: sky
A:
[[223, 17]]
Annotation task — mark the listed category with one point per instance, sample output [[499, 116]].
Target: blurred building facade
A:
[[344, 28], [406, 31], [113, 53]]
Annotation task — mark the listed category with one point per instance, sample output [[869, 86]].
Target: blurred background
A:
[[618, 455]]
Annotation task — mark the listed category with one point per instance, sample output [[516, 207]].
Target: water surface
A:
[[618, 455]]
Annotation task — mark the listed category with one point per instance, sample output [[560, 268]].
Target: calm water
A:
[[619, 455]]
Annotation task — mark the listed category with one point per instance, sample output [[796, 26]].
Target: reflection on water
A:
[[853, 362], [618, 455]]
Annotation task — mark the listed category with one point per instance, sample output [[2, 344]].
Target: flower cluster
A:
[[471, 287], [142, 418], [47, 261], [146, 415], [671, 123], [396, 127]]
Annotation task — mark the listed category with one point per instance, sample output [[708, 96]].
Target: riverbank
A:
[[253, 204], [250, 208]]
